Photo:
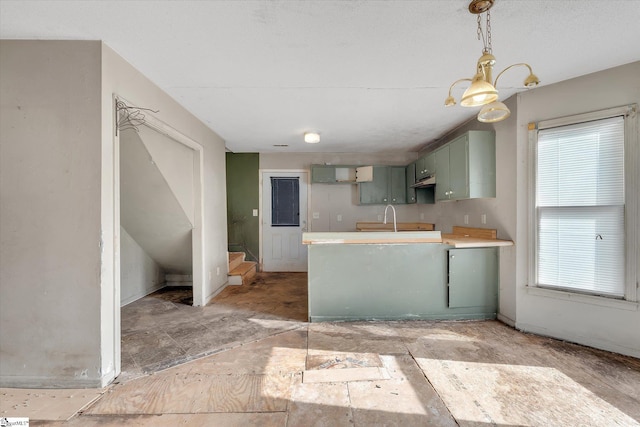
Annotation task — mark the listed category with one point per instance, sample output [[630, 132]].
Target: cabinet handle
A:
[[453, 256]]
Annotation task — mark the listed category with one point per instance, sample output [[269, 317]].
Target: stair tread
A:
[[243, 268], [235, 259], [234, 255]]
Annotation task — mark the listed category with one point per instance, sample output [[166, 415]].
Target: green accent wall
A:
[[242, 199]]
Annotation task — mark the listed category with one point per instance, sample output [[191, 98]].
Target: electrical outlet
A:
[[379, 217], [217, 271], [421, 216], [339, 218], [466, 218], [483, 218], [316, 215], [210, 273], [255, 212]]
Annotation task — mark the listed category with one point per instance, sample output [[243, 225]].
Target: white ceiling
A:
[[370, 76]]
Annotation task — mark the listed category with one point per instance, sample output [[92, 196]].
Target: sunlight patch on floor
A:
[[517, 395]]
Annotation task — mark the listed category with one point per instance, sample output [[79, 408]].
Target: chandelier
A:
[[482, 91]]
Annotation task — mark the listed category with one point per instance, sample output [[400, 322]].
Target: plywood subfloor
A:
[[435, 373], [60, 404]]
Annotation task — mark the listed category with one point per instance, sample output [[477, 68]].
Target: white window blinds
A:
[[580, 207]]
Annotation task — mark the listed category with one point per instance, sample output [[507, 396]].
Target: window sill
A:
[[585, 299]]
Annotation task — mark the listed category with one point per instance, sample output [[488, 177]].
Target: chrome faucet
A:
[[395, 224]]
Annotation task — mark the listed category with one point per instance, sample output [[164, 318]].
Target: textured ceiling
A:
[[370, 76]]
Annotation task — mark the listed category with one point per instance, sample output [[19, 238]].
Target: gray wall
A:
[[149, 209], [50, 184], [330, 200], [590, 322], [139, 274], [59, 239]]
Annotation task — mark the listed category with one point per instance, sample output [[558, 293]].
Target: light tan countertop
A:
[[459, 241], [462, 237]]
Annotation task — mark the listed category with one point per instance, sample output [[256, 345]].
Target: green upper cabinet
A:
[[425, 166], [398, 185], [340, 174], [466, 167], [389, 186], [411, 179], [323, 174], [375, 192]]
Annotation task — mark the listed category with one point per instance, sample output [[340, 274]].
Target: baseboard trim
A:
[[506, 320], [138, 296], [578, 339], [53, 383], [213, 294]]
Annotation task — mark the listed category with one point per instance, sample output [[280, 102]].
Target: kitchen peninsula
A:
[[402, 276]]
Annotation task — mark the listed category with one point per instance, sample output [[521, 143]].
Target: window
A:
[[285, 202], [582, 186]]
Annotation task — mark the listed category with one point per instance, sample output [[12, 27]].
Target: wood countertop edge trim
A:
[[369, 241], [473, 242]]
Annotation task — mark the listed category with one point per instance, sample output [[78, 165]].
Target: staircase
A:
[[241, 272]]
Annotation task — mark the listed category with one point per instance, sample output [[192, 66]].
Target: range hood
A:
[[425, 182]]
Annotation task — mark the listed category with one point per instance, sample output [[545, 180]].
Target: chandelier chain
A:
[[488, 47], [486, 40]]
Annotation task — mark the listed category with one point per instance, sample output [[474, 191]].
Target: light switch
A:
[[339, 218], [421, 216], [316, 215], [466, 219], [483, 218], [255, 212]]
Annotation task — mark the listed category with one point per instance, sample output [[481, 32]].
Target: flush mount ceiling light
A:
[[311, 137], [482, 90]]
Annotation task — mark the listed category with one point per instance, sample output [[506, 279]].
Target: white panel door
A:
[[284, 219]]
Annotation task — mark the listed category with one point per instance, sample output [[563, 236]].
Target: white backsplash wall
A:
[[332, 200]]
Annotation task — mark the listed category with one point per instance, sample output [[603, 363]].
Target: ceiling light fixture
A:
[[311, 137], [482, 90]]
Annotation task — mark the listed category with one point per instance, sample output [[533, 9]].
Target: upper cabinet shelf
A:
[[340, 174]]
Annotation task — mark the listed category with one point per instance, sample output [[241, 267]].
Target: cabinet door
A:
[[376, 191], [421, 168], [430, 164], [473, 278], [459, 168], [442, 173], [323, 174], [398, 185], [411, 179]]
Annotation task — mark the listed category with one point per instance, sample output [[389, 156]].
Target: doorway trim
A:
[[197, 233], [261, 173]]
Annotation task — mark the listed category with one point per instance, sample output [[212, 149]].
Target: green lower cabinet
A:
[[389, 186], [349, 282], [473, 278]]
